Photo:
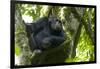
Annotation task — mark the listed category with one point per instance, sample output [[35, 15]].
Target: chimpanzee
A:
[[44, 33]]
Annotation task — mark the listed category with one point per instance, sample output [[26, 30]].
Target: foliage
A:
[[21, 42], [79, 29]]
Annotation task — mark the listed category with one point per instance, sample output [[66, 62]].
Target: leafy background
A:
[[79, 29]]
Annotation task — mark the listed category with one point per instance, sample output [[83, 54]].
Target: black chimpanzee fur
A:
[[44, 33]]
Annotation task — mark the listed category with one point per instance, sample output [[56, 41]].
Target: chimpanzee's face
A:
[[55, 23]]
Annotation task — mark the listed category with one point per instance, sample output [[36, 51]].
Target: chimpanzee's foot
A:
[[37, 51]]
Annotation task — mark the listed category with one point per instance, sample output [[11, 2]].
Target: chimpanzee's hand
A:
[[46, 42]]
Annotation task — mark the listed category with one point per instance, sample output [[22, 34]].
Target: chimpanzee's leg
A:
[[33, 45]]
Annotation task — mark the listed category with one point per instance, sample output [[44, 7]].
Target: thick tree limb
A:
[[77, 35]]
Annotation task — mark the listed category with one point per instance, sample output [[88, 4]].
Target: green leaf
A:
[[17, 50]]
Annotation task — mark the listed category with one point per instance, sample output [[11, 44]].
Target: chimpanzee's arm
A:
[[40, 24], [57, 39], [37, 26]]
